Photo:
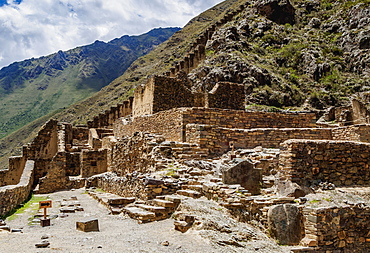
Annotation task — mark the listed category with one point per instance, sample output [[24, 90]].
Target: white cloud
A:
[[40, 27]]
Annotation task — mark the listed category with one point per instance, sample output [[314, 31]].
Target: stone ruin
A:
[[168, 139]]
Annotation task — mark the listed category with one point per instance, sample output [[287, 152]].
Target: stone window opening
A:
[[93, 163]]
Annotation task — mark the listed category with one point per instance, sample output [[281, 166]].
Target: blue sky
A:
[[32, 28], [3, 2]]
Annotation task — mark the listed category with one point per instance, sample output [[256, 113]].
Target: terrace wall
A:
[[13, 195], [217, 140], [344, 229], [342, 163], [172, 123]]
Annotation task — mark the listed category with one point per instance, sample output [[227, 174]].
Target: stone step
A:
[[175, 199], [140, 214], [193, 187], [115, 210], [154, 209], [121, 201], [189, 193], [164, 203], [182, 226]]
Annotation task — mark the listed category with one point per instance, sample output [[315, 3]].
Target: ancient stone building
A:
[[123, 148]]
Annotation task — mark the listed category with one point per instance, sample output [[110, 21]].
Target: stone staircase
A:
[[113, 202], [156, 209]]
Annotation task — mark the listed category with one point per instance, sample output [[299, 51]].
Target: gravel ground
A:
[[122, 234], [117, 233]]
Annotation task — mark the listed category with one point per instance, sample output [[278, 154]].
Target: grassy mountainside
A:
[[33, 88], [310, 55]]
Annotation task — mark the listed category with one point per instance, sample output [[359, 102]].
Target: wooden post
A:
[[45, 205]]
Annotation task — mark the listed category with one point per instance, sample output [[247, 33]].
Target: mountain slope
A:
[[316, 56], [33, 88], [159, 60], [303, 55], [312, 58]]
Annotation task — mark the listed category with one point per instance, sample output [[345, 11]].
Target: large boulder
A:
[[287, 188], [285, 223], [279, 11], [243, 172]]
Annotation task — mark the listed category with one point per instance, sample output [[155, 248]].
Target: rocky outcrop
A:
[[279, 11]]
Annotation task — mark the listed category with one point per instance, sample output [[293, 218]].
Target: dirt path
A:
[[117, 233]]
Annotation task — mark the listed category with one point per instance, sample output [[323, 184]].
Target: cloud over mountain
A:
[[31, 28]]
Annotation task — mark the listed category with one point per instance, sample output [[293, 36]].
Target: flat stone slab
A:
[[7, 228], [89, 225], [154, 209], [67, 210], [164, 203], [116, 210], [140, 214], [189, 193], [43, 244], [175, 199], [121, 201]]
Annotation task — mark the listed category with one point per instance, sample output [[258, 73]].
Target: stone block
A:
[[67, 210], [164, 203], [244, 173], [45, 222], [121, 201], [285, 223], [43, 244], [89, 225]]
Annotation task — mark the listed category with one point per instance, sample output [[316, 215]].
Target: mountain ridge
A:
[[299, 65], [35, 87]]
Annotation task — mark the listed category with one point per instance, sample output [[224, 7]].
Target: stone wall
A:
[[342, 163], [80, 135], [93, 162], [133, 186], [172, 123], [161, 93], [352, 133], [56, 177], [123, 186], [227, 95], [217, 140], [13, 195], [73, 163], [107, 118], [132, 155], [338, 228], [12, 175], [109, 144], [45, 144], [168, 123], [247, 120]]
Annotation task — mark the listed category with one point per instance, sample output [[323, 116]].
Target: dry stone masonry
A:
[[168, 142]]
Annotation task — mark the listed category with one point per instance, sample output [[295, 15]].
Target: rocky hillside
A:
[[305, 54], [298, 54], [33, 88]]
